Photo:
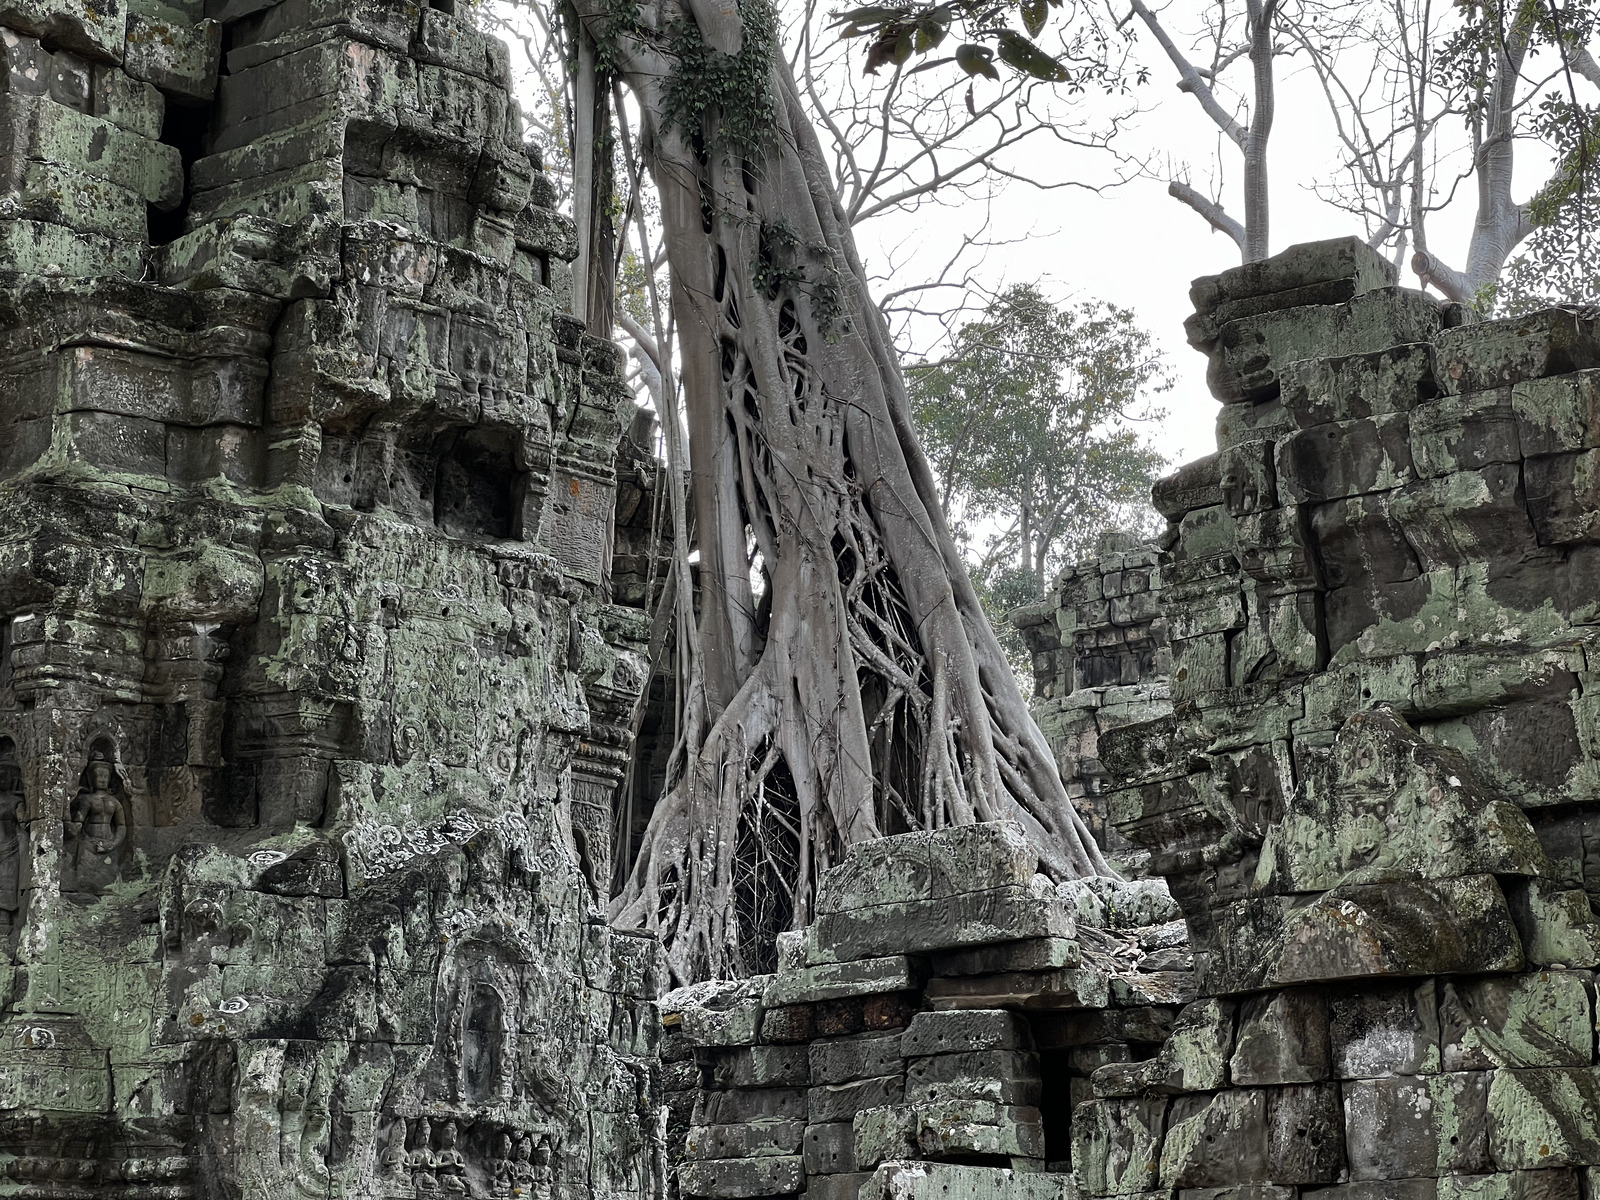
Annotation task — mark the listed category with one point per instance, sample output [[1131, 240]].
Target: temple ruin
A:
[[326, 580]]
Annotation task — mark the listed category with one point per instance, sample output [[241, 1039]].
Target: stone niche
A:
[[313, 693]]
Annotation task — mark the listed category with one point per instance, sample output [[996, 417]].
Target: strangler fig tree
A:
[[845, 682]]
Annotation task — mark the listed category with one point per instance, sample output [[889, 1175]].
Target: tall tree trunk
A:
[[865, 692]]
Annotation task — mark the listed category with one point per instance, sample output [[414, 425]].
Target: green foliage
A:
[[1030, 425], [733, 89], [1560, 262], [897, 32], [779, 262]]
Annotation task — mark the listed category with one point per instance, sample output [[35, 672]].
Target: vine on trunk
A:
[[843, 682]]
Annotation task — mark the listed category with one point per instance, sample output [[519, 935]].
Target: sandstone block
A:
[[753, 1139], [1073, 988], [760, 1066], [836, 1187], [1544, 1117], [1283, 1038], [918, 926], [1283, 278], [1216, 1140], [944, 1181], [866, 1056], [830, 1149], [962, 1127], [741, 1106], [1003, 1076], [1464, 431], [1117, 1145], [1537, 1020], [965, 1031], [1511, 1185], [1401, 1127], [1034, 954], [1319, 390], [834, 981], [177, 58], [842, 1101], [881, 1134], [928, 866], [1392, 1029], [741, 1178], [1552, 341], [1558, 414], [1346, 458]]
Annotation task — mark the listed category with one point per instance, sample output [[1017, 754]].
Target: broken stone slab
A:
[[1544, 1117], [1362, 931], [1346, 458], [1034, 954], [1116, 1145], [1387, 1030], [750, 1140], [1082, 987], [1388, 1189], [965, 1031], [1064, 1029], [1154, 987], [920, 926], [1283, 1038], [741, 1178], [1552, 341], [865, 1056], [961, 1127], [1195, 1057], [1463, 432], [1544, 1019], [834, 981], [1216, 1140], [947, 1181], [989, 856], [1406, 1126], [719, 1013]]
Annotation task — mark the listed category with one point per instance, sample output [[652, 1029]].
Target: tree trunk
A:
[[865, 693]]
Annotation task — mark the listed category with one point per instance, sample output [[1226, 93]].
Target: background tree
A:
[[1031, 425]]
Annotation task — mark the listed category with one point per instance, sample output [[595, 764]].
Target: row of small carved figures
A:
[[520, 1165], [129, 1170]]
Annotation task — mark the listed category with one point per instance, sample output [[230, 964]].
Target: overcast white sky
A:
[[1133, 244]]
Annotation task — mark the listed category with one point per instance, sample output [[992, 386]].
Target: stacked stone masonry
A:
[[313, 693], [1368, 785]]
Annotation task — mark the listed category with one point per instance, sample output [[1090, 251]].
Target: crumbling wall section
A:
[[1372, 800], [313, 695]]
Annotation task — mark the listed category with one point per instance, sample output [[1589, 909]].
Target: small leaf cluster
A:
[[779, 262], [897, 32], [734, 89]]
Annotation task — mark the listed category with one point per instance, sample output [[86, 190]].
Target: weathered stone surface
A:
[[751, 1140], [830, 1149], [738, 1178], [842, 1101], [1539, 1020], [1510, 1185], [1117, 1145], [1283, 1038], [1072, 988], [1003, 1076], [1386, 1030], [1544, 1117], [918, 926], [965, 1031], [956, 1128], [1401, 1127], [840, 1060], [834, 981], [938, 1181], [925, 866], [881, 1134]]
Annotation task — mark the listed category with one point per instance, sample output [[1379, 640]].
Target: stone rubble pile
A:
[[1369, 782]]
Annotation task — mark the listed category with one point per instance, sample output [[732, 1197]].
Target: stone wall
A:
[[1373, 800], [313, 696]]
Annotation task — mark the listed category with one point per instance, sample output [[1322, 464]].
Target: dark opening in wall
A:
[[475, 484], [184, 127]]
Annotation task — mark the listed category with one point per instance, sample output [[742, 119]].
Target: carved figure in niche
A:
[[96, 829], [503, 1174], [393, 1162], [13, 834], [451, 1165], [543, 1170], [422, 1162], [522, 1168]]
